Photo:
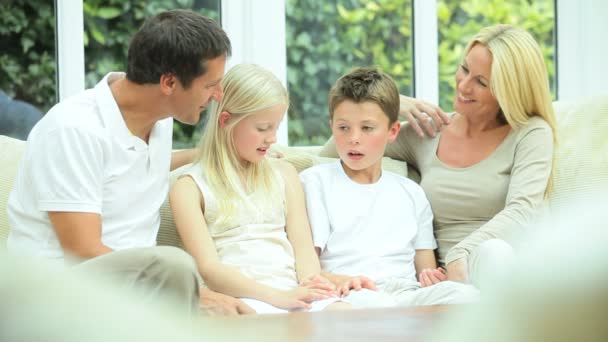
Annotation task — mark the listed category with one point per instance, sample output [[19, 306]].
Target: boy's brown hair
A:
[[366, 84]]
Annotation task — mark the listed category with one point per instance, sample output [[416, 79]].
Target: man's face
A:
[[189, 103]]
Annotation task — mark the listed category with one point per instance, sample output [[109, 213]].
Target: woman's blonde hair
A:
[[247, 88], [519, 78]]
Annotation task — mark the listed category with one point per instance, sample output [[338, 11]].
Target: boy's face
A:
[[361, 131]]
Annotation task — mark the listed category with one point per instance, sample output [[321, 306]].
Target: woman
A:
[[486, 172]]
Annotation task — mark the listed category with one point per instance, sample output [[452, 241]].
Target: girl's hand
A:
[[458, 271], [355, 283], [318, 281], [430, 276], [300, 298], [422, 115]]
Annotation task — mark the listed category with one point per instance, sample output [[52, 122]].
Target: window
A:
[[27, 64], [459, 21], [326, 39], [110, 24]]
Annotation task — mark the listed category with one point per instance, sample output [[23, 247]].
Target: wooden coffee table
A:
[[390, 324]]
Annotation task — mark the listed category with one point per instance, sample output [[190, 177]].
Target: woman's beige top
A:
[[490, 199]]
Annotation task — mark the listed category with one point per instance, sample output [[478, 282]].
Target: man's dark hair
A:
[[178, 42], [367, 84]]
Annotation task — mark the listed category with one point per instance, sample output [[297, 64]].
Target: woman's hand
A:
[[458, 270], [422, 116], [430, 276]]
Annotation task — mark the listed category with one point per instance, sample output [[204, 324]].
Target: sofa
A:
[[581, 157]]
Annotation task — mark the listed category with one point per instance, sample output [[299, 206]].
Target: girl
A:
[[242, 216]]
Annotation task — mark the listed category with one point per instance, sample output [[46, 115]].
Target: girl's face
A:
[[254, 134], [473, 96]]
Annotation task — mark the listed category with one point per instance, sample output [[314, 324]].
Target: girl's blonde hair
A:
[[519, 78], [247, 88]]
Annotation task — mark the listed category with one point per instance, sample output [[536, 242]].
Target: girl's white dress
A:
[[254, 242]]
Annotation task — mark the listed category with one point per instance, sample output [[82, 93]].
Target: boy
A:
[[368, 221]]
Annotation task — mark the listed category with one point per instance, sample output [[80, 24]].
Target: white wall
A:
[[257, 32], [582, 49]]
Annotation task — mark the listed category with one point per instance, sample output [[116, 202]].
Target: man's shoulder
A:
[[80, 110]]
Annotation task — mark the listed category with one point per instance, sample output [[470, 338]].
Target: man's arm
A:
[[79, 233], [182, 157]]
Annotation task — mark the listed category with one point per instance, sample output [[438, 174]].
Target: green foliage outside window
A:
[[324, 40], [27, 30], [327, 38], [459, 21], [27, 56]]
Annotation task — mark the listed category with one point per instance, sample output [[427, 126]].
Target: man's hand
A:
[[421, 115], [458, 270], [430, 276], [218, 304]]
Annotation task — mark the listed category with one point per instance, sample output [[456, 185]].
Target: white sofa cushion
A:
[[582, 149]]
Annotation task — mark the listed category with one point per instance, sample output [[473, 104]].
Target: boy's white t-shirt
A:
[[81, 157], [372, 230]]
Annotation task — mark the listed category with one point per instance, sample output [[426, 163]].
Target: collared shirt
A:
[[81, 157]]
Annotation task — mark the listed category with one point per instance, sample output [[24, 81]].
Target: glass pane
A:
[[459, 21], [110, 24], [27, 64], [325, 39]]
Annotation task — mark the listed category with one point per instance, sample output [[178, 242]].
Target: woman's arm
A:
[[530, 174], [297, 224], [187, 207]]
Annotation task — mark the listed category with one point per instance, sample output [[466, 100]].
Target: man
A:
[[95, 170]]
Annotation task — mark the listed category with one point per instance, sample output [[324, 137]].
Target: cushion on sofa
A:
[[582, 149], [11, 151]]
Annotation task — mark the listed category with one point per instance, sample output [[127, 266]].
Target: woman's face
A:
[[473, 96]]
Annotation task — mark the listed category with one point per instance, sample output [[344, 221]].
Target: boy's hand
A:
[[355, 283], [429, 276]]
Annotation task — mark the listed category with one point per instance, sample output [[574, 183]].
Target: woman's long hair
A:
[[519, 78]]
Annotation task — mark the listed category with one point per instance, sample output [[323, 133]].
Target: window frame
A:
[[257, 33]]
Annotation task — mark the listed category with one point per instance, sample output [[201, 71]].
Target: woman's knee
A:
[[490, 261], [495, 248]]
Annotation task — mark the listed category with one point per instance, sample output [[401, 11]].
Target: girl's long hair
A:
[[247, 88]]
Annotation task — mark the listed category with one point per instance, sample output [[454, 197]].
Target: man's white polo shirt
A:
[[81, 157]]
